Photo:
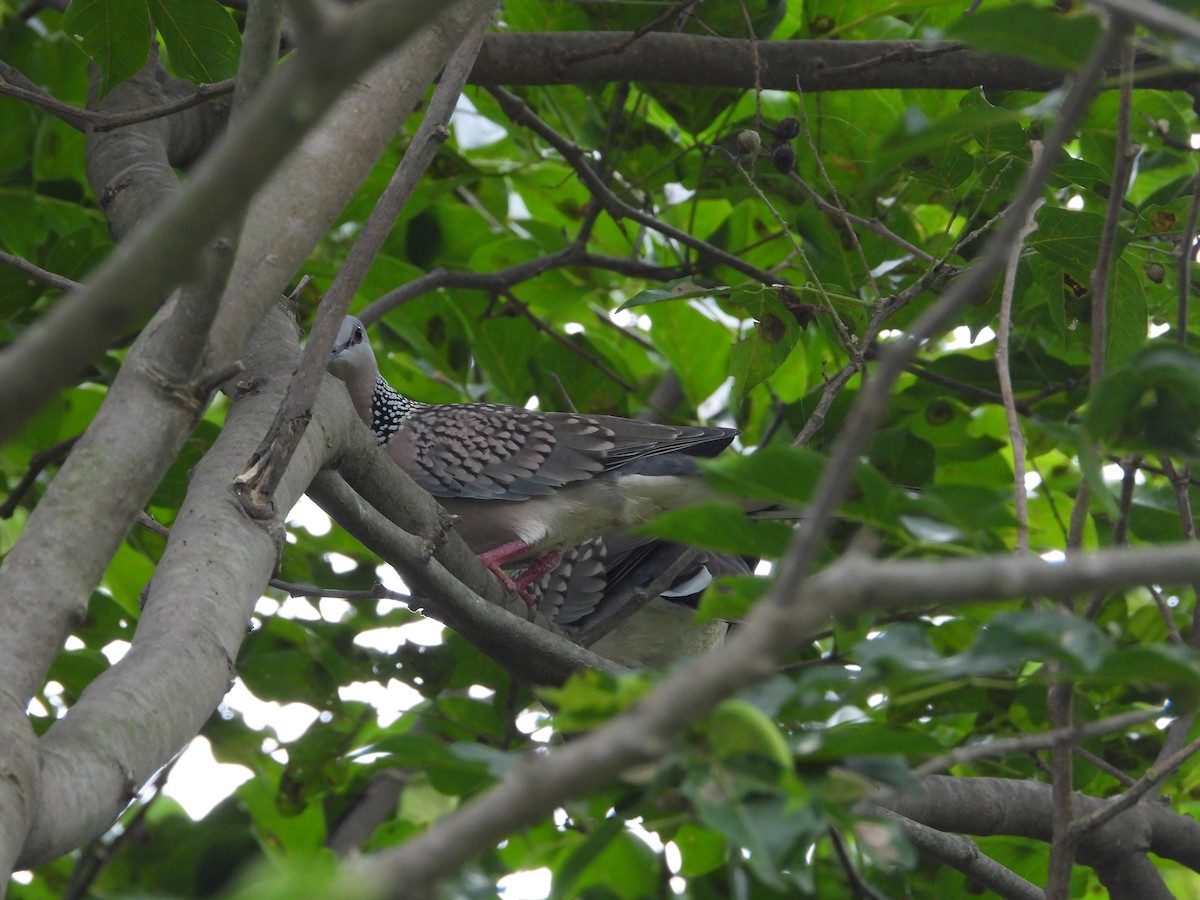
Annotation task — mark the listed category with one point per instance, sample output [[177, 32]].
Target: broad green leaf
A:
[[696, 346], [777, 472], [1068, 238], [1036, 33], [701, 850], [619, 865], [737, 727], [115, 34], [201, 37], [767, 344], [1152, 402], [769, 827], [1127, 315], [721, 526]]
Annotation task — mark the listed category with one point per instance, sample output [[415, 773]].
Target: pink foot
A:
[[497, 556]]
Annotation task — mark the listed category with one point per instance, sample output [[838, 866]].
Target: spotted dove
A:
[[526, 484]]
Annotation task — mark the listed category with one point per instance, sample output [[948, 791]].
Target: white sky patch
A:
[[1113, 472], [334, 609], [73, 643], [115, 651], [1157, 328], [1054, 556], [385, 640], [307, 515], [391, 580], [573, 328], [676, 193], [517, 208], [299, 608], [535, 723], [622, 318], [423, 633], [531, 885], [198, 782], [472, 130], [288, 721], [1032, 481], [1075, 203], [391, 700], [717, 401], [340, 563], [960, 338], [711, 309]]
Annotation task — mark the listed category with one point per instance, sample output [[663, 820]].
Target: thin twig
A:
[[858, 884], [838, 207], [37, 463], [266, 467], [1144, 785], [678, 9], [503, 279], [1185, 257], [522, 114], [1031, 742], [586, 355], [50, 279], [1122, 166], [14, 84], [1003, 371]]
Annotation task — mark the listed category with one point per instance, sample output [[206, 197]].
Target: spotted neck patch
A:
[[389, 409]]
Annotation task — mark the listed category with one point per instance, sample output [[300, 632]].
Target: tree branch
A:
[[810, 66], [533, 789], [65, 340]]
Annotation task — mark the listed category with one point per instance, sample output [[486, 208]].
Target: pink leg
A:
[[538, 568], [497, 556]]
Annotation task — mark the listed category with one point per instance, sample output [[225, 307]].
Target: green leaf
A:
[[1029, 32], [1151, 403], [721, 526], [590, 698], [770, 341], [1174, 669], [201, 37], [944, 167], [1068, 238], [1127, 315], [696, 346], [777, 472], [115, 34], [614, 864], [865, 739], [769, 827], [738, 727], [701, 850]]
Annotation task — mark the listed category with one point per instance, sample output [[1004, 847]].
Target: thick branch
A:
[[135, 716], [985, 806], [667, 58], [83, 324]]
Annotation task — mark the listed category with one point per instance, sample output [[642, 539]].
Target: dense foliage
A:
[[688, 252]]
